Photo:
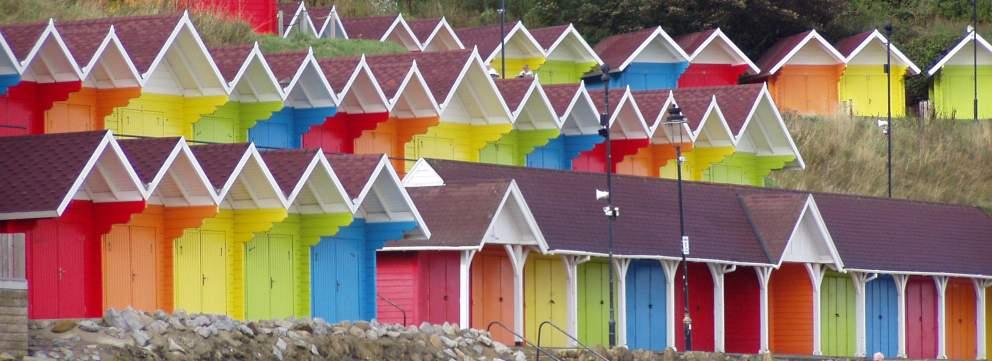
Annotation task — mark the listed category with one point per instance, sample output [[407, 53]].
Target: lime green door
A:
[[281, 272], [257, 282], [269, 277], [214, 260], [593, 302], [837, 315]]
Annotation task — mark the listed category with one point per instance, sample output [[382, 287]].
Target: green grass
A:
[[327, 47], [933, 160]]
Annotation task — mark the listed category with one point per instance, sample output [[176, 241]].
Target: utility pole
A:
[[888, 87], [974, 51], [611, 211], [677, 120], [502, 38]]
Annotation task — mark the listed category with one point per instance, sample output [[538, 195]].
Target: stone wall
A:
[[14, 321]]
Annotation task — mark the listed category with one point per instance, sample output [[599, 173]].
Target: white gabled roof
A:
[[98, 62], [581, 100], [257, 199], [877, 36], [627, 125], [384, 172], [570, 31], [711, 110], [658, 32], [814, 37], [718, 34], [810, 240], [350, 88], [51, 33], [172, 178], [7, 58], [528, 38], [442, 25], [535, 93], [297, 18], [314, 180], [475, 63], [973, 36], [779, 121], [270, 78], [414, 79], [185, 24], [310, 62]]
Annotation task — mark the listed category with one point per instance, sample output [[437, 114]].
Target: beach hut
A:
[[863, 89], [343, 267], [567, 53], [209, 260], [308, 101], [362, 106], [802, 72], [714, 60], [46, 73], [882, 314], [646, 59], [295, 17], [534, 123], [960, 319], [448, 283], [391, 28], [63, 192], [628, 131], [521, 48], [255, 96], [435, 34], [953, 86], [137, 255], [580, 127], [277, 262]]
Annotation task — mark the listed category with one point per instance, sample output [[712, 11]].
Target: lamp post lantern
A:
[[610, 211], [676, 121]]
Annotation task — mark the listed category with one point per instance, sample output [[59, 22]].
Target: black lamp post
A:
[[888, 88], [974, 51], [502, 39], [676, 121], [610, 211]]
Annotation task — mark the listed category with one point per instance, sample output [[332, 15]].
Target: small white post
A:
[[670, 267], [816, 272], [518, 259], [901, 281], [621, 265], [941, 282], [980, 286], [764, 277], [571, 264], [464, 291], [860, 283], [717, 271]]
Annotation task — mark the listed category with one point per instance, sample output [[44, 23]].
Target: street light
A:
[[888, 87], [502, 38], [610, 211], [676, 122]]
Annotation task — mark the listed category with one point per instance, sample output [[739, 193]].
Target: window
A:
[[12, 261]]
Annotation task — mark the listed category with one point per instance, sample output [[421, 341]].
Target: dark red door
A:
[[43, 277], [442, 287], [921, 318], [70, 270], [700, 307]]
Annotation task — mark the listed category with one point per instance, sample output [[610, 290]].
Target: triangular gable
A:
[[307, 181], [764, 131], [712, 130], [299, 19], [474, 98], [440, 38], [239, 174], [413, 98], [361, 94], [308, 87], [571, 46], [535, 111], [871, 51], [111, 67], [399, 32], [49, 60], [812, 49], [8, 63], [654, 106], [383, 199], [183, 66], [656, 47], [575, 110], [717, 48], [171, 174], [513, 223], [951, 58], [254, 80], [626, 120], [519, 44], [810, 240], [790, 227]]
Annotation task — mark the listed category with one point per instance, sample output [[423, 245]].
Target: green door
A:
[[593, 303], [257, 280], [837, 315], [281, 273]]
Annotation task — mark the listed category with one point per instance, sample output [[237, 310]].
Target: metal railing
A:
[[402, 311], [537, 348], [540, 331]]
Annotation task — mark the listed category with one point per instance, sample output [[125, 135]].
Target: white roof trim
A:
[[582, 93], [385, 167], [718, 34], [536, 87], [570, 30], [414, 73], [519, 26], [514, 191], [364, 67], [399, 21], [422, 167], [181, 147], [474, 59], [256, 53], [292, 21], [714, 107], [111, 38], [626, 99], [658, 31], [659, 123], [310, 60], [811, 208], [442, 24], [655, 257], [319, 160], [765, 94], [876, 35], [5, 50], [51, 31], [813, 35], [106, 144], [921, 273], [187, 24], [331, 15], [950, 54], [252, 154]]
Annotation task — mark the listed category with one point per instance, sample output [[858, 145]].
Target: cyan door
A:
[[646, 306]]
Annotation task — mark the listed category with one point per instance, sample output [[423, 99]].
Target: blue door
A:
[[548, 156], [881, 313], [276, 132], [336, 265], [646, 319]]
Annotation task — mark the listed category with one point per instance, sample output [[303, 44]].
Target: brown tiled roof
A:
[[899, 235], [692, 41], [485, 38], [230, 59], [142, 36], [773, 215], [285, 65], [514, 90], [457, 213], [287, 166], [147, 155], [735, 101], [389, 74], [423, 28], [338, 70], [548, 35], [369, 28], [83, 39], [847, 45], [651, 102], [616, 49], [289, 10], [560, 96], [777, 52], [219, 160], [318, 16], [354, 170], [39, 170], [572, 219], [439, 68], [597, 96], [22, 37]]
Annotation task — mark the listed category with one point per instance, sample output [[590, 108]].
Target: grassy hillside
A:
[[938, 160]]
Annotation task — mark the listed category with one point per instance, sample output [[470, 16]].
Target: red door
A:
[[921, 318], [700, 310], [441, 287], [742, 312], [71, 269], [43, 275]]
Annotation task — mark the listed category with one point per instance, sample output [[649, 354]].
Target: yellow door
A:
[[214, 283], [188, 276]]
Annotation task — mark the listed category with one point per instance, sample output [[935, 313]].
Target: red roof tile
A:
[[777, 52], [39, 170], [651, 103], [142, 36], [423, 28], [485, 38], [285, 65], [773, 216], [548, 35], [219, 160], [319, 16], [560, 96], [230, 60], [22, 37], [83, 39], [439, 68], [616, 49], [458, 213], [389, 74], [735, 101], [692, 41], [847, 45], [338, 70], [514, 90], [289, 10], [369, 28], [354, 170], [287, 166], [147, 155], [597, 96]]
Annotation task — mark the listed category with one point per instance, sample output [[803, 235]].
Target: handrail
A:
[[536, 347], [402, 311], [540, 329]]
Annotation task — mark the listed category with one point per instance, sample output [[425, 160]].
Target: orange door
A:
[[143, 266], [961, 319], [492, 292], [117, 267], [790, 298]]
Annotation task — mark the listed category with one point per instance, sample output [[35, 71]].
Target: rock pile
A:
[[129, 334]]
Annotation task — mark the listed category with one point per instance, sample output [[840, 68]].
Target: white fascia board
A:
[[105, 46], [812, 36], [877, 36], [442, 25], [950, 54], [719, 34], [162, 171], [233, 177], [766, 95], [514, 113], [311, 61], [182, 149], [659, 122], [657, 257], [428, 248], [628, 100], [106, 144], [185, 24], [571, 31], [363, 67], [421, 167], [53, 33], [514, 191], [811, 209], [319, 163], [658, 31], [538, 91], [581, 96], [922, 273], [337, 182], [385, 169], [714, 107], [518, 26], [475, 60], [400, 23], [458, 79], [271, 180], [201, 175], [29, 215], [6, 51], [256, 54], [293, 19], [414, 75], [81, 177], [332, 14]]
